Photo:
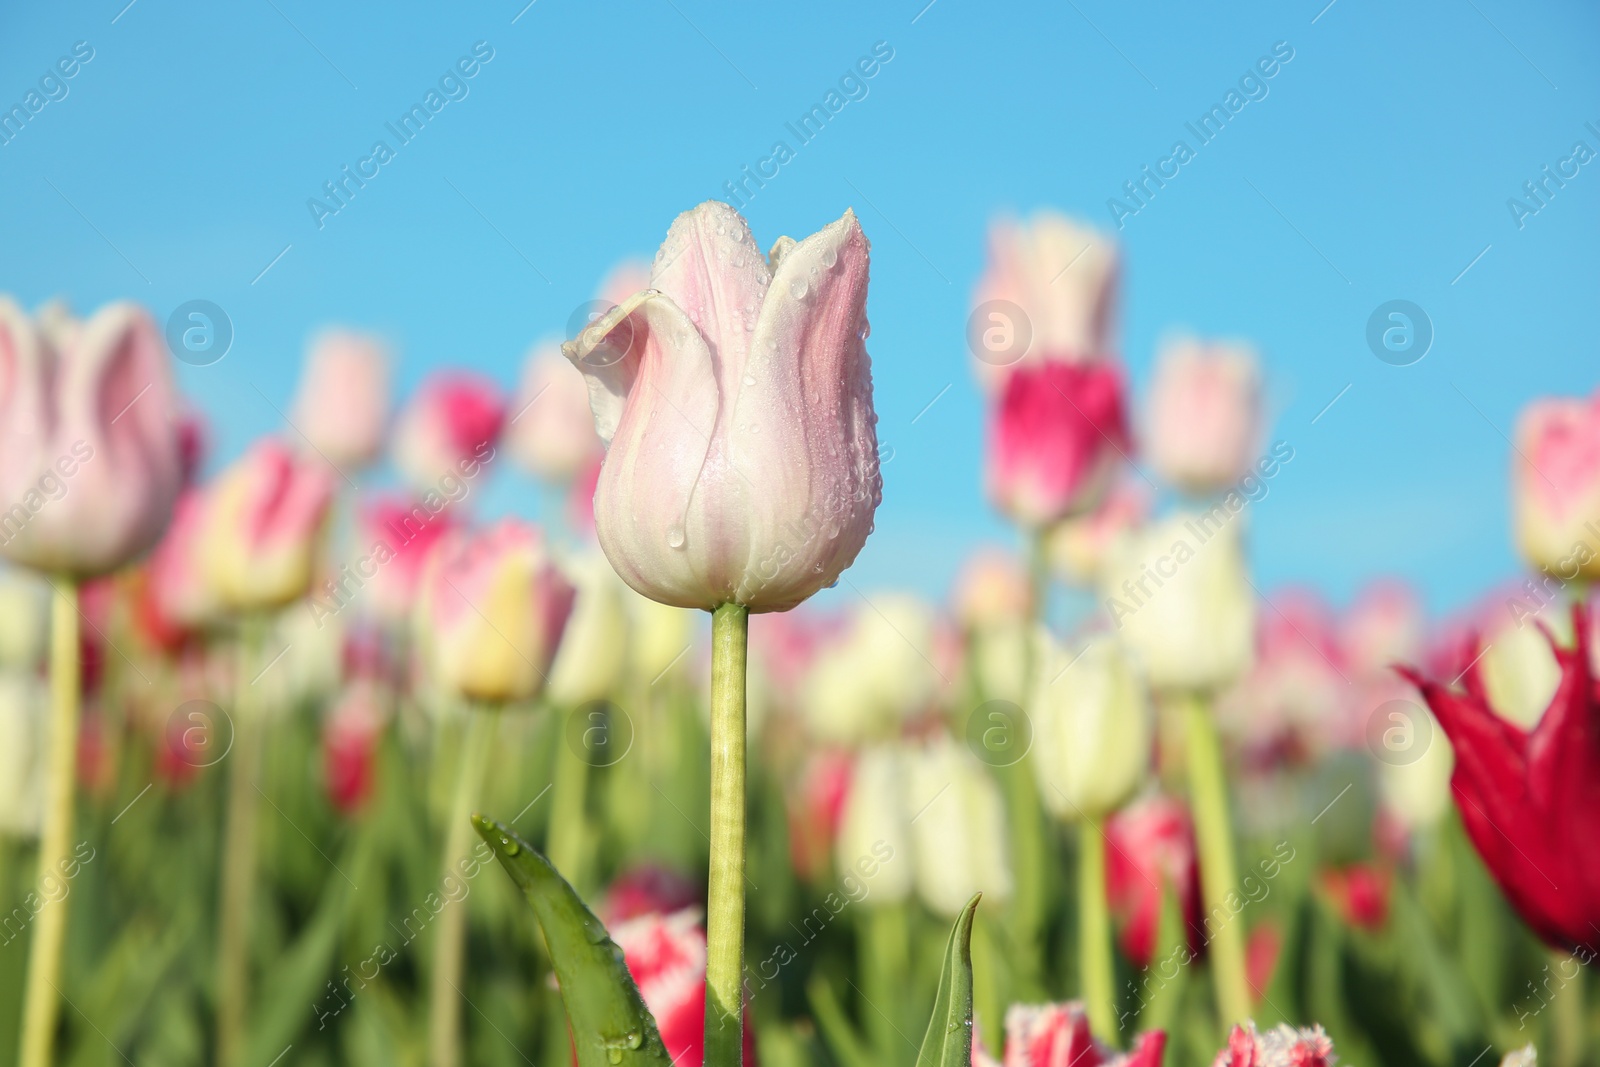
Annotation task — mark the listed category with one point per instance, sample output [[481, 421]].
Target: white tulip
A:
[[875, 824], [1093, 727], [958, 828]]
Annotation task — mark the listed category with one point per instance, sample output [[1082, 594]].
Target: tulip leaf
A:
[[948, 1042], [609, 1021]]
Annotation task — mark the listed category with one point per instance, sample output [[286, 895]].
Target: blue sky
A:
[[179, 164]]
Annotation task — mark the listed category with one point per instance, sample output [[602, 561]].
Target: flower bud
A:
[[395, 536], [873, 675], [1150, 856], [551, 434], [958, 828], [1555, 487], [1078, 547], [343, 403], [874, 823], [1092, 727], [1204, 415], [447, 432], [263, 524], [594, 646]]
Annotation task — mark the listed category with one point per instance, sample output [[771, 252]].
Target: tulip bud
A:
[[1204, 417], [1092, 728], [1518, 670], [24, 611], [874, 823], [1056, 437], [22, 752], [491, 612], [262, 527], [875, 674], [1078, 547], [1150, 854], [595, 643], [1283, 1047], [176, 599], [88, 431], [447, 432], [343, 403], [666, 955], [1555, 487], [551, 434], [350, 741], [395, 537], [1057, 1035], [958, 828], [735, 397], [1180, 598], [1417, 792], [660, 637], [993, 587]]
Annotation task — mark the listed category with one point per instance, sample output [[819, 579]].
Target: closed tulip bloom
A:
[[1283, 1047], [343, 404], [1518, 672], [395, 536], [176, 599], [874, 674], [24, 613], [263, 525], [1092, 728], [1204, 415], [594, 645], [1057, 1035], [666, 956], [1078, 547], [1181, 600], [735, 398], [551, 434], [22, 752], [350, 740], [993, 587], [492, 610], [874, 823], [958, 828], [1555, 487], [89, 435], [1150, 855], [660, 638], [1063, 278], [1530, 799], [1056, 438], [448, 431], [1416, 791]]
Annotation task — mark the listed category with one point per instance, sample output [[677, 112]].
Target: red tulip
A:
[[1055, 439], [817, 809], [350, 748], [1361, 894], [1057, 1035], [666, 954], [1283, 1047], [646, 889], [1530, 799], [1152, 853]]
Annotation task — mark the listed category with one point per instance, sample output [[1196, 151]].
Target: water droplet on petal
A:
[[831, 530], [829, 257], [675, 536], [749, 379], [797, 288]]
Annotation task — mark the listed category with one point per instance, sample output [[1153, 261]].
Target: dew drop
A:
[[829, 257], [831, 530], [749, 379], [797, 288], [614, 1055], [675, 536], [865, 330]]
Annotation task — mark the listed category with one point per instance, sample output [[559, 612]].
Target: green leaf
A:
[[610, 1023], [948, 1042]]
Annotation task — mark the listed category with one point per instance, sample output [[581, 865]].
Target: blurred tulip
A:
[[1517, 670], [1417, 791], [666, 954], [397, 536], [22, 752], [447, 433], [350, 740], [1297, 695], [874, 821], [313, 665], [735, 397], [1180, 597], [492, 610], [89, 432], [1360, 892], [817, 810], [1261, 952], [343, 404], [992, 587], [1078, 547], [1062, 277], [1057, 1035], [176, 599], [660, 637], [1525, 796], [1056, 437], [1526, 1056], [551, 434], [1093, 728], [1205, 415], [1555, 487], [24, 614], [1283, 1047], [263, 524], [1150, 853], [874, 674], [648, 889], [594, 645], [1383, 627], [958, 828]]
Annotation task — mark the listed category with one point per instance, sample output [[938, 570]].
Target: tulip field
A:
[[464, 718]]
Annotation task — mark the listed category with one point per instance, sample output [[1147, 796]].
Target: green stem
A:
[[239, 854], [1094, 930], [449, 957], [1567, 1023], [725, 893], [568, 832], [42, 1005], [885, 963], [1218, 867]]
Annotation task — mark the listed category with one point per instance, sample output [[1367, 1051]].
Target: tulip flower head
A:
[[735, 400], [666, 955], [1204, 415], [1151, 853], [992, 588], [88, 428], [1093, 728], [1057, 1035], [1079, 547], [492, 610], [594, 645], [447, 432], [1527, 797], [176, 599], [1283, 1047], [1555, 487], [551, 434], [958, 827], [343, 405], [874, 821], [396, 537], [263, 524]]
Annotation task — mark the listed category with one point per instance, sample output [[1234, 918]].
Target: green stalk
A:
[[1218, 867], [449, 956], [41, 999], [1567, 1022], [885, 963], [568, 832], [1094, 929], [725, 893], [239, 854]]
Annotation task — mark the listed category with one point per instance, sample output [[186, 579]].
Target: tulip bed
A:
[[297, 772]]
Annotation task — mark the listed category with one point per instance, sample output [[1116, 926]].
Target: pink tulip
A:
[[448, 431], [1297, 699], [736, 398], [492, 610], [176, 598], [1555, 487], [648, 889], [89, 435], [1204, 416], [666, 954], [343, 403], [552, 431], [1063, 279], [1283, 1047], [1057, 1035], [394, 540], [1151, 856], [1055, 439], [350, 740], [1383, 627], [1080, 547], [263, 526], [992, 589]]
